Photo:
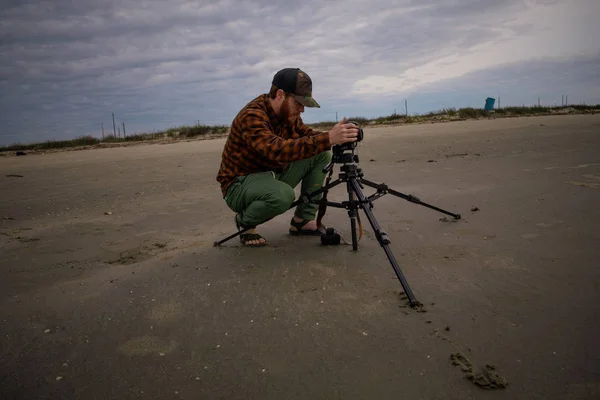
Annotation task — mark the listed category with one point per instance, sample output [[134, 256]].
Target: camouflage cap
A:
[[297, 83]]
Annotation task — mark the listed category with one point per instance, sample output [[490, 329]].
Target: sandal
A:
[[247, 237], [298, 231]]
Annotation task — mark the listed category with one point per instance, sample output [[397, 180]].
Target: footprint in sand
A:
[[497, 261], [325, 269], [144, 345], [138, 254], [166, 312], [549, 224], [592, 177], [486, 378], [529, 235], [546, 224], [594, 185], [593, 181]]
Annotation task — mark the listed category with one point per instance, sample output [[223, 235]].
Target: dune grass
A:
[[461, 114], [195, 131]]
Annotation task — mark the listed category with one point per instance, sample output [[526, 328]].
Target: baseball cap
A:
[[297, 83]]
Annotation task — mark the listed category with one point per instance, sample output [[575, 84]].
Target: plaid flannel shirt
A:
[[257, 142]]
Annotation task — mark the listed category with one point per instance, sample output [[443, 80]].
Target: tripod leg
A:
[[407, 197], [352, 214], [220, 242], [384, 241]]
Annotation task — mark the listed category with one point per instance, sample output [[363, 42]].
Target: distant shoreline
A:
[[205, 132]]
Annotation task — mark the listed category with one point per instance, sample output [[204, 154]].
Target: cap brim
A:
[[307, 101]]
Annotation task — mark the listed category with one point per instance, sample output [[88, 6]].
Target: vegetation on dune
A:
[[172, 133], [461, 114], [205, 131]]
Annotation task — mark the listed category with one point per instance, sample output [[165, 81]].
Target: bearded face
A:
[[290, 110]]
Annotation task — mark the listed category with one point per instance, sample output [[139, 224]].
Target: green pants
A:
[[261, 196]]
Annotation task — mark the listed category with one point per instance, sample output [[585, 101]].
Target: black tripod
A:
[[352, 175]]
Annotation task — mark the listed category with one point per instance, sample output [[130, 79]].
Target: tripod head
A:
[[344, 153]]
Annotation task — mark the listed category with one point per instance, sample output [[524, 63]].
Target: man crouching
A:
[[269, 151]]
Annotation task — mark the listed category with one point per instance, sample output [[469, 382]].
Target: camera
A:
[[351, 145], [360, 131]]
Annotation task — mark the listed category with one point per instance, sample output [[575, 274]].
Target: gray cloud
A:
[[515, 85], [65, 67]]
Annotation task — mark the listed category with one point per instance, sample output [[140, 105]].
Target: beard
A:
[[285, 114]]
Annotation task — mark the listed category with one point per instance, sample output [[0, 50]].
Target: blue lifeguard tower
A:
[[488, 109]]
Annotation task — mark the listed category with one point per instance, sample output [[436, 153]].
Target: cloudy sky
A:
[[66, 66]]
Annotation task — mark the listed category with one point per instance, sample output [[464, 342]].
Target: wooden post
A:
[[406, 106], [102, 125], [114, 126], [123, 129]]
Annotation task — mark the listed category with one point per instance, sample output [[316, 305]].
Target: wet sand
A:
[[111, 288]]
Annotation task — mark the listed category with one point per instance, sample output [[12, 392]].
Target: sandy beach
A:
[[111, 288]]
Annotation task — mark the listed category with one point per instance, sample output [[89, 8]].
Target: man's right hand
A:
[[343, 132]]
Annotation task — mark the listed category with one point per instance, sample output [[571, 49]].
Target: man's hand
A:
[[343, 132]]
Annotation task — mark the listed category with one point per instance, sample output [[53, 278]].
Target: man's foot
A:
[[309, 226], [301, 226], [250, 237]]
